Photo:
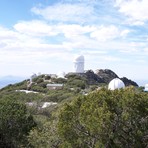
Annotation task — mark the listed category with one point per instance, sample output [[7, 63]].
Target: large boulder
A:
[[106, 74], [93, 78], [128, 82], [101, 76]]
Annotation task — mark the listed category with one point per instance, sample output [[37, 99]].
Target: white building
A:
[[47, 104], [116, 84], [32, 77], [79, 64], [146, 87], [55, 86], [61, 74]]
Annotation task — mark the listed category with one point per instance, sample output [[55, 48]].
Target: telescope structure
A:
[[79, 64], [116, 84]]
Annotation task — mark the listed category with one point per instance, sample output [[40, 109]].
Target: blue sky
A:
[[45, 36]]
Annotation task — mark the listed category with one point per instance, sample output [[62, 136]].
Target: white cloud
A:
[[104, 33], [111, 58], [77, 12], [135, 10], [67, 29], [35, 28], [124, 33], [42, 29], [74, 30], [7, 34], [76, 39], [18, 46]]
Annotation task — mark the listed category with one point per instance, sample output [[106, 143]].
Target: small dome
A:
[[146, 87], [61, 74], [79, 58], [116, 84]]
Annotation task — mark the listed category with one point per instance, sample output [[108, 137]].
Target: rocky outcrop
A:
[[102, 76], [128, 82], [93, 78], [106, 74]]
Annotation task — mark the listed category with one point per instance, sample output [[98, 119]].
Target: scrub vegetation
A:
[[84, 116]]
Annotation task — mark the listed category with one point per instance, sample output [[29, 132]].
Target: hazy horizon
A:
[[12, 79]]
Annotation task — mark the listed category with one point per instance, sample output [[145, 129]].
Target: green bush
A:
[[105, 119], [47, 77], [15, 124]]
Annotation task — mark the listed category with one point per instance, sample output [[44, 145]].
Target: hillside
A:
[[81, 81], [73, 85], [103, 76], [73, 114], [6, 80]]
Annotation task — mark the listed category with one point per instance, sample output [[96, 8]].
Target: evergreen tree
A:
[[15, 124], [105, 119]]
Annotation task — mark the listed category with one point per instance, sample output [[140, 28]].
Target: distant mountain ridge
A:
[[101, 76], [9, 79]]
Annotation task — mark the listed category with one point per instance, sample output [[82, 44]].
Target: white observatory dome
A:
[[116, 84], [61, 74], [79, 58], [146, 87], [79, 64]]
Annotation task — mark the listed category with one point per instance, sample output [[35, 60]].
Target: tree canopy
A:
[[82, 118], [105, 119], [15, 124]]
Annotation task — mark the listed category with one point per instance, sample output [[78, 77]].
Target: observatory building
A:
[[61, 74], [32, 77], [146, 87], [79, 64], [116, 84]]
